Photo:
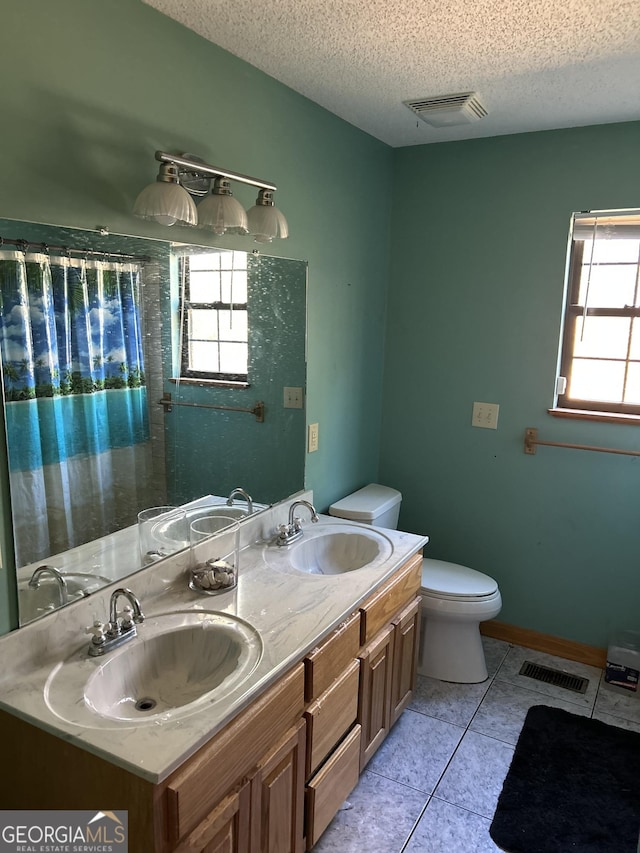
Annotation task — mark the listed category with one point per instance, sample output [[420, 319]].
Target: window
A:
[[600, 353], [215, 330]]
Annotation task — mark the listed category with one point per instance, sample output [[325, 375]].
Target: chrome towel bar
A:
[[257, 410]]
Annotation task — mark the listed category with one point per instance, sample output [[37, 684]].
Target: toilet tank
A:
[[374, 504]]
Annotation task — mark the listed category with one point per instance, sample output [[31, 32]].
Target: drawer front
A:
[[197, 787], [377, 610], [325, 663], [333, 783], [331, 716]]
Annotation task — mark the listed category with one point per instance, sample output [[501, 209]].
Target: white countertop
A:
[[289, 609]]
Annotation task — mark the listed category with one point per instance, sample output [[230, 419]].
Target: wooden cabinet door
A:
[[226, 829], [405, 657], [277, 796], [376, 662], [196, 788]]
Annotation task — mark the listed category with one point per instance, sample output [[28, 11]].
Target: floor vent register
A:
[[554, 676]]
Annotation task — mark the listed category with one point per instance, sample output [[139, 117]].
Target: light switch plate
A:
[[293, 398], [485, 415]]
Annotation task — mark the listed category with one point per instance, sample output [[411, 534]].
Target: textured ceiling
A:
[[536, 64]]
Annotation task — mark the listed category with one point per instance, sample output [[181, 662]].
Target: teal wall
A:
[[479, 241], [475, 281], [90, 90]]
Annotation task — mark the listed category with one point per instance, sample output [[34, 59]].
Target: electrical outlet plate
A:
[[485, 415], [312, 445]]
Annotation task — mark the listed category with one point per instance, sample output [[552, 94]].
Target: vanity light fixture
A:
[[165, 201], [168, 200], [220, 212], [265, 220]]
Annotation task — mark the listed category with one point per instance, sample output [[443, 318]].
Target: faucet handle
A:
[[98, 631], [284, 534], [126, 615]]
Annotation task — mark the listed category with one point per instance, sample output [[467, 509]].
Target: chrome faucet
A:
[[243, 494], [126, 623], [121, 627], [34, 581], [288, 533]]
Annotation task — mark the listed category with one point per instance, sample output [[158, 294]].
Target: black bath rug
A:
[[573, 787]]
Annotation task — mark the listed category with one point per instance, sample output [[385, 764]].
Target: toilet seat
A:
[[453, 582]]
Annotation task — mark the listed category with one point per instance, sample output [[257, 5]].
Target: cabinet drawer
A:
[[331, 785], [330, 717], [198, 786], [324, 663], [379, 608]]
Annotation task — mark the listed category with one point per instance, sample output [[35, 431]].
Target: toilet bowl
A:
[[455, 599]]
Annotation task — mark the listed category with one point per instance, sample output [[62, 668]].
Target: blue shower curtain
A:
[[75, 399]]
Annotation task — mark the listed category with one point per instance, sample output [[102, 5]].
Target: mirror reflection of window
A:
[[215, 331]]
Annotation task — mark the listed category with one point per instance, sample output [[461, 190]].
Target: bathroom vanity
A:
[[264, 768]]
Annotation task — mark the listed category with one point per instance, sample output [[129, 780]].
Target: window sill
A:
[[588, 415], [208, 383]]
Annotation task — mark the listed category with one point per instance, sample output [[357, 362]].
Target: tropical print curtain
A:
[[75, 399]]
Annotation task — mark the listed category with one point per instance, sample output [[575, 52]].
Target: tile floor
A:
[[433, 785]]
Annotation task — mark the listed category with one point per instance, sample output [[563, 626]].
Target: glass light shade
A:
[[222, 214], [266, 222], [167, 203]]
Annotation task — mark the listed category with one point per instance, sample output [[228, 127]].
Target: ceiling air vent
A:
[[448, 110]]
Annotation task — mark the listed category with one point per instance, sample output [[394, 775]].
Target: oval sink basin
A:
[[333, 549], [178, 663]]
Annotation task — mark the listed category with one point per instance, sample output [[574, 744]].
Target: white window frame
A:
[[215, 308]]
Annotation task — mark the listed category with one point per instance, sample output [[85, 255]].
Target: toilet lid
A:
[[451, 579]]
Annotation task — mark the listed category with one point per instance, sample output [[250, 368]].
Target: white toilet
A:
[[455, 599]]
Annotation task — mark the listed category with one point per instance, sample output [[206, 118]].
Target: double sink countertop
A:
[[291, 611]]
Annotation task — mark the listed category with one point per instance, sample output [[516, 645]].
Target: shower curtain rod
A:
[[25, 245], [531, 441]]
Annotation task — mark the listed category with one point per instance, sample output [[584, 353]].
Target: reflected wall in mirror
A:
[[139, 373]]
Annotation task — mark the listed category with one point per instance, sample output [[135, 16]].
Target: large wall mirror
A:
[[140, 373]]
